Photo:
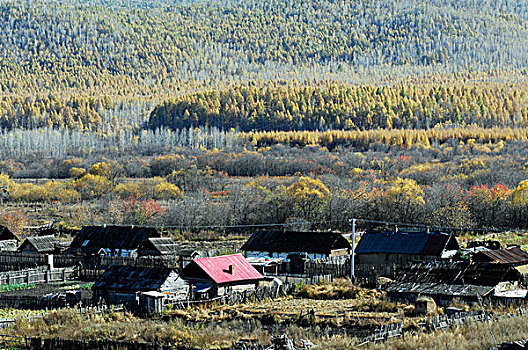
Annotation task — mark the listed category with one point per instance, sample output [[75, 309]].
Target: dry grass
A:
[[331, 324]]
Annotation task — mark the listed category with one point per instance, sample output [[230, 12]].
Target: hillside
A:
[[85, 64]]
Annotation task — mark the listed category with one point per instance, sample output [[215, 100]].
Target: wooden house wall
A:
[[399, 259], [282, 255], [113, 297], [148, 252]]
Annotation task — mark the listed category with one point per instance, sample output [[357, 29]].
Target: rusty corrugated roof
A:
[[218, 269], [512, 256]]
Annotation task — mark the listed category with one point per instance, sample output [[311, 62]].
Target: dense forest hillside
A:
[[347, 107], [69, 64]]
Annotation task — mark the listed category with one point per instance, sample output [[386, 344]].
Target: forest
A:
[[205, 115]]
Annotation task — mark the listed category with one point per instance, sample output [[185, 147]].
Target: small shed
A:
[[111, 240], [267, 265], [40, 245], [157, 246], [396, 247], [277, 244], [221, 275], [122, 284], [424, 305], [8, 240]]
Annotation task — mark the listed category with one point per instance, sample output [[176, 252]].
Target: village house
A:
[[125, 284], [313, 245], [220, 275], [40, 245], [111, 240], [158, 246], [389, 247], [8, 240]]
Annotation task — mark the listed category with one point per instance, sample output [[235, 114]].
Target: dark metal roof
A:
[[92, 238], [309, 242], [164, 245], [511, 256], [6, 234], [42, 244], [133, 278], [416, 243], [453, 290], [218, 269], [448, 272]]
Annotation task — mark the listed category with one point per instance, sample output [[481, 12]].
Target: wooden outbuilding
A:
[[40, 245], [512, 256], [157, 246], [123, 284], [8, 240]]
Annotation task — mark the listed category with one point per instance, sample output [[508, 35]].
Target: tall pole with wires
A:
[[353, 223]]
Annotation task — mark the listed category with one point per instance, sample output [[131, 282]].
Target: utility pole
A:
[[353, 222]]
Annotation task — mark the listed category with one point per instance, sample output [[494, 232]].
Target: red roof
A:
[[218, 268]]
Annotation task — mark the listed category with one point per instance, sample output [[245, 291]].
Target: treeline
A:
[[39, 153], [325, 202], [345, 107]]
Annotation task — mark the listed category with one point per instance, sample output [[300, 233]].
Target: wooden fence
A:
[[89, 266], [37, 275], [383, 333], [436, 323], [291, 278], [259, 293], [334, 267]]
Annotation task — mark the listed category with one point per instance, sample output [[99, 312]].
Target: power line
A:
[[381, 222]]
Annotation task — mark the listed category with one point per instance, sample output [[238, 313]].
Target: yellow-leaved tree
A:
[[403, 199], [309, 196], [520, 203]]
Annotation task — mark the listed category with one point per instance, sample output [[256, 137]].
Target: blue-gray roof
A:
[[418, 243]]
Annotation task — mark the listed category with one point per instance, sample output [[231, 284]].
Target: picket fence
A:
[[436, 323]]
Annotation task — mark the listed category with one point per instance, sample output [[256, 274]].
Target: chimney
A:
[[231, 269]]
